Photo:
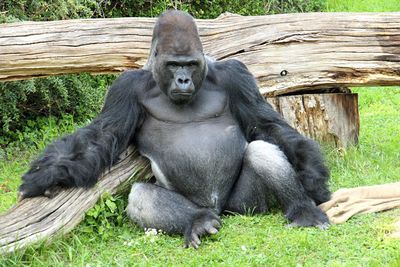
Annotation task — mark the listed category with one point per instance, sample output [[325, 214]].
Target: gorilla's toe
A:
[[305, 215], [206, 222]]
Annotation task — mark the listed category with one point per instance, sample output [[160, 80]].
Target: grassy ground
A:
[[245, 240], [363, 5]]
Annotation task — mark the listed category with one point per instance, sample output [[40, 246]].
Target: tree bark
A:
[[287, 53], [328, 118]]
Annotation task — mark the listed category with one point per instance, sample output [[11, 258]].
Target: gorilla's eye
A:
[[193, 64], [172, 64]]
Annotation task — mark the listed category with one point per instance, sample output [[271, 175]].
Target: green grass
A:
[[243, 240], [17, 156], [376, 159], [246, 240], [363, 5]]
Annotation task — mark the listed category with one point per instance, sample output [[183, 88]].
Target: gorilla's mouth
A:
[[180, 97], [182, 94]]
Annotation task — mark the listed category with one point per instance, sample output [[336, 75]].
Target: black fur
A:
[[79, 159], [199, 122], [259, 121]]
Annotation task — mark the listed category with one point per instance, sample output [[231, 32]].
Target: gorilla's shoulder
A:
[[229, 71], [136, 80], [135, 75], [231, 66]]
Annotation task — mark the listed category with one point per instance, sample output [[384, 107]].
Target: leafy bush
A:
[[19, 10], [208, 9], [23, 102], [106, 214]]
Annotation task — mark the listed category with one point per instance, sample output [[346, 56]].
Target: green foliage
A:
[[23, 103], [41, 10], [106, 214], [33, 138]]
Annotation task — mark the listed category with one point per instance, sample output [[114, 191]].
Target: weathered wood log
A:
[[43, 218], [328, 118], [287, 53]]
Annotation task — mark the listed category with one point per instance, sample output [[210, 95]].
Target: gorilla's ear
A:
[[155, 52]]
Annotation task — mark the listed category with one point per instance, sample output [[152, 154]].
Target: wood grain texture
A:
[[328, 118], [317, 50], [40, 218]]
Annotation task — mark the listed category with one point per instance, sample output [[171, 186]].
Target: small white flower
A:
[[150, 232]]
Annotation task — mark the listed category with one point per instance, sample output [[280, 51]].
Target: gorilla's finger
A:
[[324, 226], [52, 191], [216, 223], [196, 239], [292, 225], [194, 245], [211, 230], [21, 195], [48, 193]]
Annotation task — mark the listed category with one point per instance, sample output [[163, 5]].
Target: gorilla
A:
[[214, 144]]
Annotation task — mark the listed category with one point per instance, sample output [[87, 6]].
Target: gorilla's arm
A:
[[78, 159], [259, 121]]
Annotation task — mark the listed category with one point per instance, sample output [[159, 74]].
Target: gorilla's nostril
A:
[[183, 81]]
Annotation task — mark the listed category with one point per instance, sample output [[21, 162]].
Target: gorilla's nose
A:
[[183, 83]]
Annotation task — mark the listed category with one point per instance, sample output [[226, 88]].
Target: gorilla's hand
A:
[[206, 222], [41, 180]]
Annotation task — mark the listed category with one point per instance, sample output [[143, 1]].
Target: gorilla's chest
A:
[[196, 150]]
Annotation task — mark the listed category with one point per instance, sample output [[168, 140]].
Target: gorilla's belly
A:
[[201, 160]]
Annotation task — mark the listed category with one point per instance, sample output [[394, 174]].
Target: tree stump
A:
[[329, 118]]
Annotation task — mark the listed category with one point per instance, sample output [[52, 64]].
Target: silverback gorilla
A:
[[213, 142]]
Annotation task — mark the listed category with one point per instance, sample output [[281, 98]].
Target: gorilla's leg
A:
[[152, 206], [266, 171]]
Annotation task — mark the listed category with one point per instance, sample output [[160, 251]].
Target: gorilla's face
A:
[[180, 76], [179, 66]]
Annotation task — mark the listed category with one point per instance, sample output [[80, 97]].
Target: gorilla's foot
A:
[[205, 222], [306, 214]]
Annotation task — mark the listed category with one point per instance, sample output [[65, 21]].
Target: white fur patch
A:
[[160, 177], [268, 158]]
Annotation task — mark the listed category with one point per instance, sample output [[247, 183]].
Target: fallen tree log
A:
[[287, 53], [40, 218]]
